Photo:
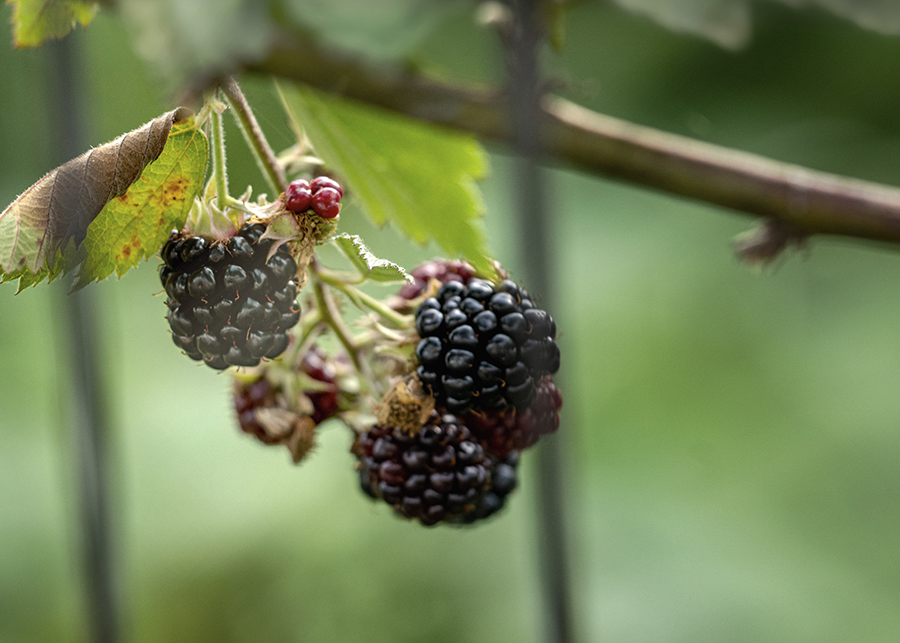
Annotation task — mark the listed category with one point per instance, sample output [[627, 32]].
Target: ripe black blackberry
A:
[[483, 346], [512, 431], [439, 474], [229, 303], [504, 480]]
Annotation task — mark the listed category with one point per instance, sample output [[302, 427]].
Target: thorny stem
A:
[[359, 297], [217, 133], [265, 157]]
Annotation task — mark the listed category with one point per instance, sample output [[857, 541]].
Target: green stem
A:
[[234, 204], [265, 157], [308, 327], [331, 317], [393, 317], [217, 133]]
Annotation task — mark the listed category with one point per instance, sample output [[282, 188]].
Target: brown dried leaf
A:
[[62, 204]]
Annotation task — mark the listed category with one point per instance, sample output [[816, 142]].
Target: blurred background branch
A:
[[804, 200]]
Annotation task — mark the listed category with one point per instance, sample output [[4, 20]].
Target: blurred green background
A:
[[732, 437]]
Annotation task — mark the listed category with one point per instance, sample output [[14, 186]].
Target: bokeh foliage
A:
[[732, 436]]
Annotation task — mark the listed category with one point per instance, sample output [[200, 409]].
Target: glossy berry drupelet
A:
[[504, 480], [437, 475], [298, 196], [507, 432], [327, 203], [230, 304], [483, 346]]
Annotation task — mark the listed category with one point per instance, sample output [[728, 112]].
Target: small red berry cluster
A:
[[323, 195]]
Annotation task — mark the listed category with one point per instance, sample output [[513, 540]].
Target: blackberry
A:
[[251, 397], [483, 346], [439, 474], [229, 303], [322, 196], [504, 480], [266, 411], [443, 270], [324, 401], [506, 433]]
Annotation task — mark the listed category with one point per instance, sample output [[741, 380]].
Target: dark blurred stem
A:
[[87, 416], [265, 157], [536, 239]]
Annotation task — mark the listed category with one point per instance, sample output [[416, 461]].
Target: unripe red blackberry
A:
[[230, 304], [505, 433], [483, 346], [442, 270], [438, 474], [252, 397], [298, 196], [278, 413], [322, 196], [325, 402]]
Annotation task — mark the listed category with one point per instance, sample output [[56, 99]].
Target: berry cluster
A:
[[506, 433], [323, 196], [483, 346], [439, 474], [281, 406], [254, 399], [230, 304]]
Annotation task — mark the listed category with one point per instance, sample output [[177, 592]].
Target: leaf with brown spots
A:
[[85, 213], [135, 225]]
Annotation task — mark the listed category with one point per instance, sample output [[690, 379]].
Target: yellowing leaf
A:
[[49, 229], [419, 176], [135, 225], [37, 20]]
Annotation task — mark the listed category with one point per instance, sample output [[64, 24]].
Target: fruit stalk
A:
[[217, 134], [265, 157]]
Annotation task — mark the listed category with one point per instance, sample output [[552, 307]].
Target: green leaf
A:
[[728, 22], [135, 226], [725, 22], [418, 176], [106, 209], [187, 40], [881, 16], [383, 29], [36, 20], [369, 266]]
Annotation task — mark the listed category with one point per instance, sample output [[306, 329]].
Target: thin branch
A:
[[809, 201], [265, 157]]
